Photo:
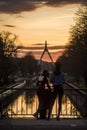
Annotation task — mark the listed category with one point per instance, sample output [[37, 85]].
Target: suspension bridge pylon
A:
[[45, 50]]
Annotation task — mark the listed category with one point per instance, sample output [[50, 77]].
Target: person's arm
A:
[[46, 82]]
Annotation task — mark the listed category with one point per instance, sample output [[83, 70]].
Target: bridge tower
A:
[[44, 65], [45, 50]]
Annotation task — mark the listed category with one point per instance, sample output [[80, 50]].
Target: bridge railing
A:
[[23, 102]]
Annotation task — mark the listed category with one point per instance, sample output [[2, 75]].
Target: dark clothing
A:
[[43, 96], [57, 79], [58, 90]]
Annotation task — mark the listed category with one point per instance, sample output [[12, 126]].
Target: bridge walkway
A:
[[33, 124]]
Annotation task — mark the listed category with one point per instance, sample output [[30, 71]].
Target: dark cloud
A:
[[18, 6], [41, 44], [10, 26], [57, 47], [59, 3], [38, 44]]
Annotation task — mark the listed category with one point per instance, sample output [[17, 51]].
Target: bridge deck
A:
[[33, 124]]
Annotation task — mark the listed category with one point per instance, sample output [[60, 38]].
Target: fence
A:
[[23, 102]]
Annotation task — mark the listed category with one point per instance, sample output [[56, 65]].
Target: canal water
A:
[[26, 104]]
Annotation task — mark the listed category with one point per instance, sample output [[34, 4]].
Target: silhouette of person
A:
[[43, 95], [57, 78]]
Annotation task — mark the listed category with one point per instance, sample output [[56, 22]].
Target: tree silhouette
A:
[[28, 64], [8, 51], [75, 55]]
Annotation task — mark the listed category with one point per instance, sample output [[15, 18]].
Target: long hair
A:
[[45, 73]]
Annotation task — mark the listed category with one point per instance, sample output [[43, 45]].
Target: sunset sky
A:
[[35, 21]]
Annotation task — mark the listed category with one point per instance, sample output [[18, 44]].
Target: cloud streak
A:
[[10, 26], [40, 47], [19, 6]]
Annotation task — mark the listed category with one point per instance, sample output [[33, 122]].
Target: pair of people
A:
[[46, 96]]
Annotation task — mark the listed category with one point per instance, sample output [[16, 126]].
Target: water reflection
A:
[[26, 104]]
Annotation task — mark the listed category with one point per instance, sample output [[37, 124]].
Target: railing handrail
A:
[[28, 90], [79, 90]]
